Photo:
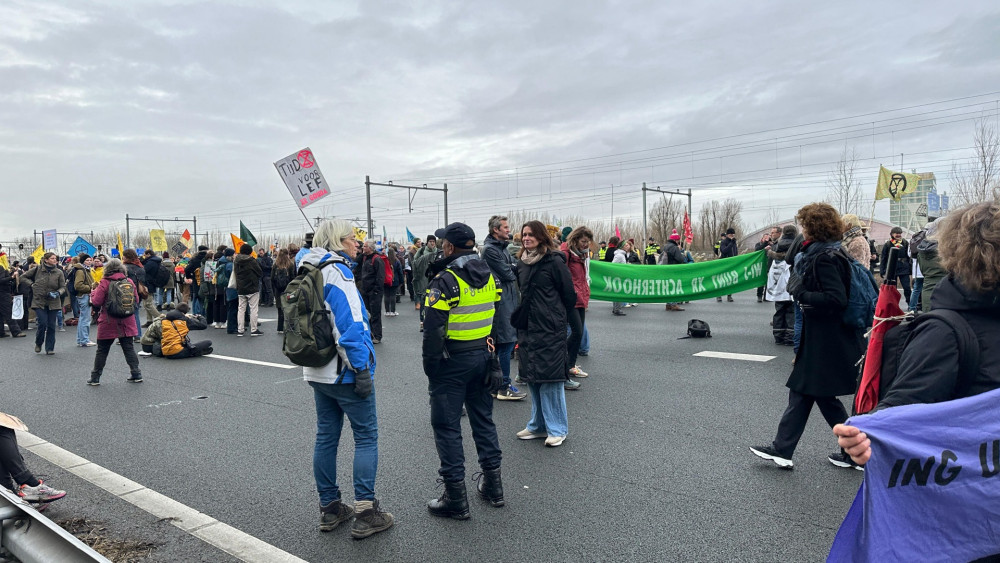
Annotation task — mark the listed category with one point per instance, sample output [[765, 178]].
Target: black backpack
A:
[[897, 337], [162, 276], [121, 302], [697, 329]]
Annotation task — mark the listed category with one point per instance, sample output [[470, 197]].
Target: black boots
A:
[[490, 487], [454, 502]]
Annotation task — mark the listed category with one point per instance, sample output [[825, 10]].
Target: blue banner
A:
[[933, 203], [944, 202], [409, 236], [931, 490], [79, 245]]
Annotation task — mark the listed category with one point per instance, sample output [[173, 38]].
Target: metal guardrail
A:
[[33, 538]]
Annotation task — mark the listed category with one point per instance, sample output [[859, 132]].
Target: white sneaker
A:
[[554, 441], [576, 371], [529, 435], [144, 353]]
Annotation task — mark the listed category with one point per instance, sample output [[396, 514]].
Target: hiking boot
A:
[[369, 519], [490, 486], [333, 515], [41, 493], [841, 459], [511, 393], [529, 435], [769, 453], [577, 371], [571, 385], [453, 502]]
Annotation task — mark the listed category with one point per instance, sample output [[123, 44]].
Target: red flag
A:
[[618, 233], [186, 238], [887, 306], [688, 233]]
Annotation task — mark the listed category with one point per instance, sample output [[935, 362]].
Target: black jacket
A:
[[728, 248], [504, 269], [542, 352], [903, 263], [248, 274], [6, 282], [609, 256], [371, 274], [475, 272], [266, 264], [928, 369], [152, 267], [672, 254], [196, 261]]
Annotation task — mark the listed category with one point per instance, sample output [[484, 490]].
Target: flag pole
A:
[[311, 225]]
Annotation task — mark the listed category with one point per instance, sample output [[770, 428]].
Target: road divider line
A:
[[237, 543], [256, 362], [732, 356], [299, 378]]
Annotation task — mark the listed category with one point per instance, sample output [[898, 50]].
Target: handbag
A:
[[494, 374], [519, 317]]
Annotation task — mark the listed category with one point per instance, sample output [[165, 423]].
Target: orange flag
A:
[[238, 242], [186, 238]]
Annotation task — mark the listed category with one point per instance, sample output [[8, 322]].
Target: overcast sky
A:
[[166, 109]]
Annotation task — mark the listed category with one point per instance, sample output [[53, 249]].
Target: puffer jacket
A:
[[44, 280], [248, 274], [542, 351], [173, 333], [503, 266]]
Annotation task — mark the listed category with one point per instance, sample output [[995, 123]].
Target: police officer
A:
[[458, 319], [652, 249]]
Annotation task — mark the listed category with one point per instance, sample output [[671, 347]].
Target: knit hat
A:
[[674, 236], [228, 252], [730, 231], [202, 247], [565, 232]]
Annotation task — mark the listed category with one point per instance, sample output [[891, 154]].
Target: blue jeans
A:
[[918, 288], [798, 327], [163, 296], [74, 304], [46, 330], [548, 409], [59, 316], [138, 323], [196, 305], [585, 344], [503, 352], [333, 401], [83, 324]]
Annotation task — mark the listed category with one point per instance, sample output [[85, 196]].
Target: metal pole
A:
[[645, 227], [445, 206], [128, 236], [368, 199], [194, 220], [34, 239]]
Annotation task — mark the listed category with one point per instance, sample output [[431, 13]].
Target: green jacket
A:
[[45, 280]]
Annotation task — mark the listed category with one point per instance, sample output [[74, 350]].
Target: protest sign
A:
[[640, 283], [17, 310], [157, 240], [49, 241], [178, 249], [931, 490], [360, 234], [80, 245], [302, 177]]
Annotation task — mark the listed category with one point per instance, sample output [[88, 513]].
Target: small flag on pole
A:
[[238, 242], [688, 232], [895, 184], [247, 236], [409, 236], [186, 238]]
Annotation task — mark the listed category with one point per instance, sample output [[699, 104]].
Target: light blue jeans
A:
[[548, 409], [918, 288], [333, 401], [585, 343], [83, 324]]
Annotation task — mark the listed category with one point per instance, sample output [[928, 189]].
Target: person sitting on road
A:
[[14, 474], [153, 343]]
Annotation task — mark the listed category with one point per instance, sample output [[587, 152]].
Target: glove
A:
[[53, 295], [363, 383]]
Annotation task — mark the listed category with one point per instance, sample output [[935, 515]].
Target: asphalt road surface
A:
[[655, 467]]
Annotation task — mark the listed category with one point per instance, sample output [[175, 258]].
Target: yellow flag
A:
[[895, 184], [121, 248], [238, 242], [158, 240], [38, 253], [4, 264], [360, 234]]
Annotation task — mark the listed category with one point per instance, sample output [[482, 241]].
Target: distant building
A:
[[910, 212]]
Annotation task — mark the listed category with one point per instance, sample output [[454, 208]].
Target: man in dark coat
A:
[[504, 270], [728, 249], [248, 274], [672, 254], [266, 263], [7, 303], [371, 276], [903, 264]]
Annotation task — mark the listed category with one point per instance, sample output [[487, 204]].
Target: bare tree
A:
[[715, 218], [666, 215], [843, 188], [979, 180]]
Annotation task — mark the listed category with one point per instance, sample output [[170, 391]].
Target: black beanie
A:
[[202, 247], [229, 252]]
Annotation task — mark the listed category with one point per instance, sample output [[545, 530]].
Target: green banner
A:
[[639, 283]]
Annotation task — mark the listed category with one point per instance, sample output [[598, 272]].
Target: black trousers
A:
[[13, 471], [209, 303], [104, 346], [6, 306], [266, 291], [390, 300], [409, 284], [904, 280], [193, 350], [783, 322], [460, 381], [28, 295], [576, 318], [793, 421], [373, 302], [281, 318]]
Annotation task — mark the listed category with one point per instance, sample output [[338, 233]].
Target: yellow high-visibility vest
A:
[[470, 314]]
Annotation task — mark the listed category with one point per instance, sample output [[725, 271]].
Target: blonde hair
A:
[[850, 221], [969, 245], [330, 234]]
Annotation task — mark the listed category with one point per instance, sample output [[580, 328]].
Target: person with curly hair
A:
[[825, 362]]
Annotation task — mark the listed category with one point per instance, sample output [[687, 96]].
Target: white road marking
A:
[[732, 356], [299, 378], [239, 544], [257, 362]]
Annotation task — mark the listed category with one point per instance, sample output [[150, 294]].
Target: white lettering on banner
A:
[[627, 286], [302, 177], [752, 271], [698, 285], [725, 280]]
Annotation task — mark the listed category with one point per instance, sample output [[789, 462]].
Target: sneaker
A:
[[280, 332], [618, 313], [41, 493], [571, 385], [88, 344], [841, 459], [376, 340], [135, 379], [334, 514], [93, 382], [256, 333], [144, 353], [38, 348], [768, 452], [240, 332], [555, 441], [577, 371], [529, 435], [583, 353], [511, 393], [369, 519], [628, 305], [50, 352], [62, 329]]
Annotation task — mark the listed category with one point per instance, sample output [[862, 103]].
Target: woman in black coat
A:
[[547, 293], [825, 362]]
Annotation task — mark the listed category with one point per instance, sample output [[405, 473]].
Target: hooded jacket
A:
[[579, 270], [928, 368], [672, 254], [504, 269], [421, 261], [248, 274], [152, 268], [474, 271], [933, 271]]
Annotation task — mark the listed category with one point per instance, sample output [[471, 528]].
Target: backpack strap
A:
[[968, 347]]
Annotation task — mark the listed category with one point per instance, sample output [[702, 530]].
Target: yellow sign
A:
[[158, 240], [360, 234], [38, 253], [895, 184]]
